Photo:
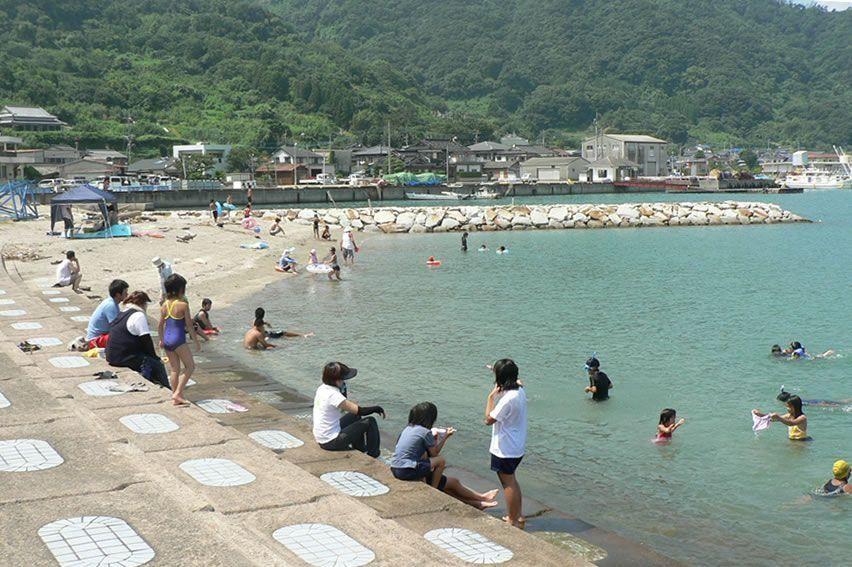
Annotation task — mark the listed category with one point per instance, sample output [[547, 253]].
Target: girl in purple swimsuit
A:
[[175, 322]]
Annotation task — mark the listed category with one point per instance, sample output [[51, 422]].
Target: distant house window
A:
[[590, 147], [602, 173]]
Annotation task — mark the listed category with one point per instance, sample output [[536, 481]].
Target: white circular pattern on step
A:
[[322, 545], [90, 541], [276, 439], [2, 292], [468, 546], [59, 300], [51, 292], [69, 361], [99, 388], [353, 483], [7, 301], [45, 341], [26, 326], [25, 455], [4, 401], [219, 406], [149, 423], [12, 313], [217, 472], [69, 309], [80, 318]]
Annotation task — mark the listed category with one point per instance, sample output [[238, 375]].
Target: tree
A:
[[242, 159], [197, 166], [749, 157]]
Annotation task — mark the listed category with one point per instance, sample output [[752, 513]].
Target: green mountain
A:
[[254, 72]]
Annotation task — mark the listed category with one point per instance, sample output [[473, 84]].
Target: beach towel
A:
[[759, 423], [255, 246], [134, 387]]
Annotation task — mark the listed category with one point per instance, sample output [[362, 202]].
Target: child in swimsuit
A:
[[667, 425], [175, 321], [795, 420]]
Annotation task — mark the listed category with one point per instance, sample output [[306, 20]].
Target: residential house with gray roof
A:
[[28, 118], [646, 153]]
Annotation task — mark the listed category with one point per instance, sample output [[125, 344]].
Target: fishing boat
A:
[[812, 178], [443, 196]]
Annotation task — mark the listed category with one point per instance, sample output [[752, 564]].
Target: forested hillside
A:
[[254, 72], [753, 69]]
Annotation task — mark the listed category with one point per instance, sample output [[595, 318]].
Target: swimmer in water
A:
[[778, 352], [501, 250], [839, 484], [483, 248], [668, 424], [785, 396], [795, 419], [257, 337], [464, 241], [798, 352]]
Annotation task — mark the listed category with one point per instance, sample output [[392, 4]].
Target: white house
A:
[[218, 152], [554, 169]]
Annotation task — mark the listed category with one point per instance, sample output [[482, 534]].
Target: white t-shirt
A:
[[326, 413], [509, 433], [347, 241], [64, 272], [137, 324]]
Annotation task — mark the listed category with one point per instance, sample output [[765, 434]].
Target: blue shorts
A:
[[505, 466], [423, 471]]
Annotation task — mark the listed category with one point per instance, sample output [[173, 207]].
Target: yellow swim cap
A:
[[841, 470]]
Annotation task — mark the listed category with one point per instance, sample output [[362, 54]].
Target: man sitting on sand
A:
[[276, 229], [68, 273]]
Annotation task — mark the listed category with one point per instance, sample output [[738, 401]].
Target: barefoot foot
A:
[[491, 494], [485, 504]]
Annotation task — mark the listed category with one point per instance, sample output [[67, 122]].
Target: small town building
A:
[[302, 156], [336, 160], [282, 173], [12, 161], [693, 167], [217, 152], [466, 167], [28, 118], [646, 153], [86, 169], [109, 156], [161, 167], [488, 151], [502, 170], [53, 155], [609, 169], [512, 140], [553, 169], [370, 157]]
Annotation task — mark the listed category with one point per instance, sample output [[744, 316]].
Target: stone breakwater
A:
[[535, 217]]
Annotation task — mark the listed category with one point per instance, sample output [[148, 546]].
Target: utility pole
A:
[[389, 147]]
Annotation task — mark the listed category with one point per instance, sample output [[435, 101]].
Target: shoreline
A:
[[598, 545]]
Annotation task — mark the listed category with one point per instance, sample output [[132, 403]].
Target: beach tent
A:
[[61, 204]]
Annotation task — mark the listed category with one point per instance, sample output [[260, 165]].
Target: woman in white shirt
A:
[[506, 413], [354, 430]]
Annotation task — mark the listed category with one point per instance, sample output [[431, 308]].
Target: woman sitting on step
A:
[[354, 430]]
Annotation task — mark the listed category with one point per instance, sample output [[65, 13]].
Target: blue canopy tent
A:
[[60, 207]]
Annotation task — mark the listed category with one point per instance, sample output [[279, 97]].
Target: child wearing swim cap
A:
[[840, 483]]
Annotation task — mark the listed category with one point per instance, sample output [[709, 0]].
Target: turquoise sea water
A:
[[680, 317]]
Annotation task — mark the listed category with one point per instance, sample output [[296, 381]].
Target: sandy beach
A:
[[212, 262]]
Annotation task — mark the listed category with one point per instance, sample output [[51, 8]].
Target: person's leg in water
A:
[[514, 499], [480, 500], [184, 354]]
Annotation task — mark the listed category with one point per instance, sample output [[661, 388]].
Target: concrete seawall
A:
[[540, 217], [190, 198]]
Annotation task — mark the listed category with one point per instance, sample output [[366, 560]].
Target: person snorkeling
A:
[[599, 383]]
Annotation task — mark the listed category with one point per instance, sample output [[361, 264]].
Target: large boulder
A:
[[697, 218], [434, 220], [579, 218], [555, 224], [417, 228], [405, 219], [329, 219], [593, 223], [627, 211], [420, 218], [307, 214], [646, 211], [521, 220], [502, 222], [384, 216], [597, 214], [449, 223], [558, 213], [456, 215], [615, 219], [538, 218]]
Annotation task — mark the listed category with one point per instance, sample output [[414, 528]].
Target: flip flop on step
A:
[[28, 347]]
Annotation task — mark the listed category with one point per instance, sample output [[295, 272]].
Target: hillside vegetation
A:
[[254, 72]]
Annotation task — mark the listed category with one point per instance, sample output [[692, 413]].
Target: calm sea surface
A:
[[680, 317]]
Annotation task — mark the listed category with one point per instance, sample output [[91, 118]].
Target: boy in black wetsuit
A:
[[599, 383]]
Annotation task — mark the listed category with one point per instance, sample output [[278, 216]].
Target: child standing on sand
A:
[[175, 322], [667, 425]]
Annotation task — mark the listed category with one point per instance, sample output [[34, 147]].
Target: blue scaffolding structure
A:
[[18, 201]]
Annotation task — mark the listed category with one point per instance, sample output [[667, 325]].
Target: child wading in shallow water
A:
[[416, 457], [506, 413], [175, 322], [667, 425]]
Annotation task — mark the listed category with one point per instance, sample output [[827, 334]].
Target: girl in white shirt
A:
[[506, 413]]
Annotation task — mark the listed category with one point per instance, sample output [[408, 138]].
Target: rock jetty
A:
[[536, 217]]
